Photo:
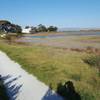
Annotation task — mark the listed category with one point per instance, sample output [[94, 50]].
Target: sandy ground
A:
[[21, 85]]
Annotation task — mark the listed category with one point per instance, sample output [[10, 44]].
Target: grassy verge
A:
[[54, 65]]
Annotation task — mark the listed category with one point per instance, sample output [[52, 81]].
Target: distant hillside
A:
[[91, 30], [78, 29]]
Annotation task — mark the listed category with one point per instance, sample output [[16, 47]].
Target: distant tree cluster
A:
[[42, 28], [6, 26], [52, 28]]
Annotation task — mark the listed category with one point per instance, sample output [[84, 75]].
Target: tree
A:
[[52, 28], [41, 28], [6, 26], [18, 29], [27, 27], [33, 30], [4, 22]]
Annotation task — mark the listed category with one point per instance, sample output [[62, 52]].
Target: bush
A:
[[93, 61]]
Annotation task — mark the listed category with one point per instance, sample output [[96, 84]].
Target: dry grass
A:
[[54, 65]]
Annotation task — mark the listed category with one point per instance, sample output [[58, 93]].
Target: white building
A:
[[26, 30]]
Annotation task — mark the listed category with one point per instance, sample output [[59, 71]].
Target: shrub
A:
[[93, 61]]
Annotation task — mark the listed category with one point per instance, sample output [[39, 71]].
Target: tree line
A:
[[6, 26], [42, 28]]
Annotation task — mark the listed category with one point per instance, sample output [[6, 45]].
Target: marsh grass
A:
[[53, 65]]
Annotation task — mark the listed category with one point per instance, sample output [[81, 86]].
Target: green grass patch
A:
[[53, 65]]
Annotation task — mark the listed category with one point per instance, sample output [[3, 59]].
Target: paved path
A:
[[20, 84]]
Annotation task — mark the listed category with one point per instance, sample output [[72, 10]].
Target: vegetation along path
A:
[[21, 85]]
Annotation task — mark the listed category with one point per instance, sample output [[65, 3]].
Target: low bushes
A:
[[93, 61]]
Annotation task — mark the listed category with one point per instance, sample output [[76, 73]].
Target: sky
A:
[[60, 13]]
